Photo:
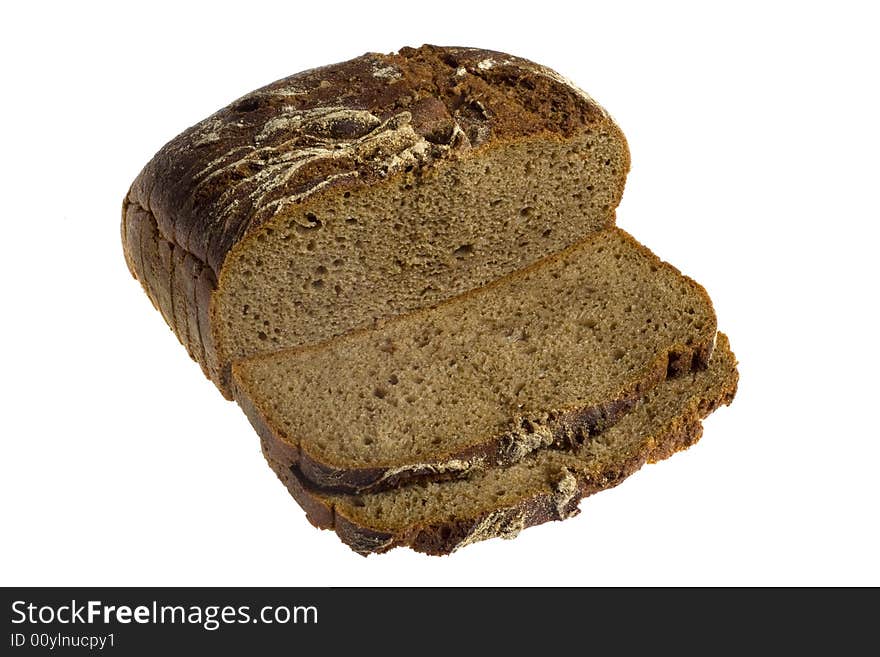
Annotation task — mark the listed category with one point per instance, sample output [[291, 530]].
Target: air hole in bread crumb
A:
[[262, 335], [546, 233], [310, 246], [393, 380], [527, 211], [318, 283], [618, 353], [367, 440], [351, 221], [321, 270], [436, 441], [379, 392], [463, 251]]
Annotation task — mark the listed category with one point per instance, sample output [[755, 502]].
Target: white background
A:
[[754, 138]]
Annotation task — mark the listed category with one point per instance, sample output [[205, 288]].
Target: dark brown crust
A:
[[570, 428], [444, 538], [500, 98], [518, 99], [178, 284], [572, 425]]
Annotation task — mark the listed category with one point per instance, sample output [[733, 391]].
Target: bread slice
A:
[[363, 190], [542, 357], [440, 517]]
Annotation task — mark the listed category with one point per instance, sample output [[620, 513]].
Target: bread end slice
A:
[[544, 357], [438, 518]]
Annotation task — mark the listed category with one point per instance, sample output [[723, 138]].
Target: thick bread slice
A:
[[543, 357], [440, 517], [363, 190]]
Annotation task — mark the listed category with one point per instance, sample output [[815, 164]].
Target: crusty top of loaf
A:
[[345, 124]]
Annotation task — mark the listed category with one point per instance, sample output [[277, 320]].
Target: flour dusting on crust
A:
[[502, 523]]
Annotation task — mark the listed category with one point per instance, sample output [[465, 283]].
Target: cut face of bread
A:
[[337, 263], [543, 357], [440, 517], [362, 190]]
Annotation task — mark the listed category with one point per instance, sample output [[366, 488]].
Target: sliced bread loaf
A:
[[440, 517], [362, 190], [545, 356]]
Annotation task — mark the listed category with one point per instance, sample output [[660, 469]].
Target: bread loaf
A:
[[405, 269], [358, 191], [440, 517], [544, 356]]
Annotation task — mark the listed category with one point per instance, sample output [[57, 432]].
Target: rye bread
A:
[[543, 357], [441, 517], [362, 190]]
